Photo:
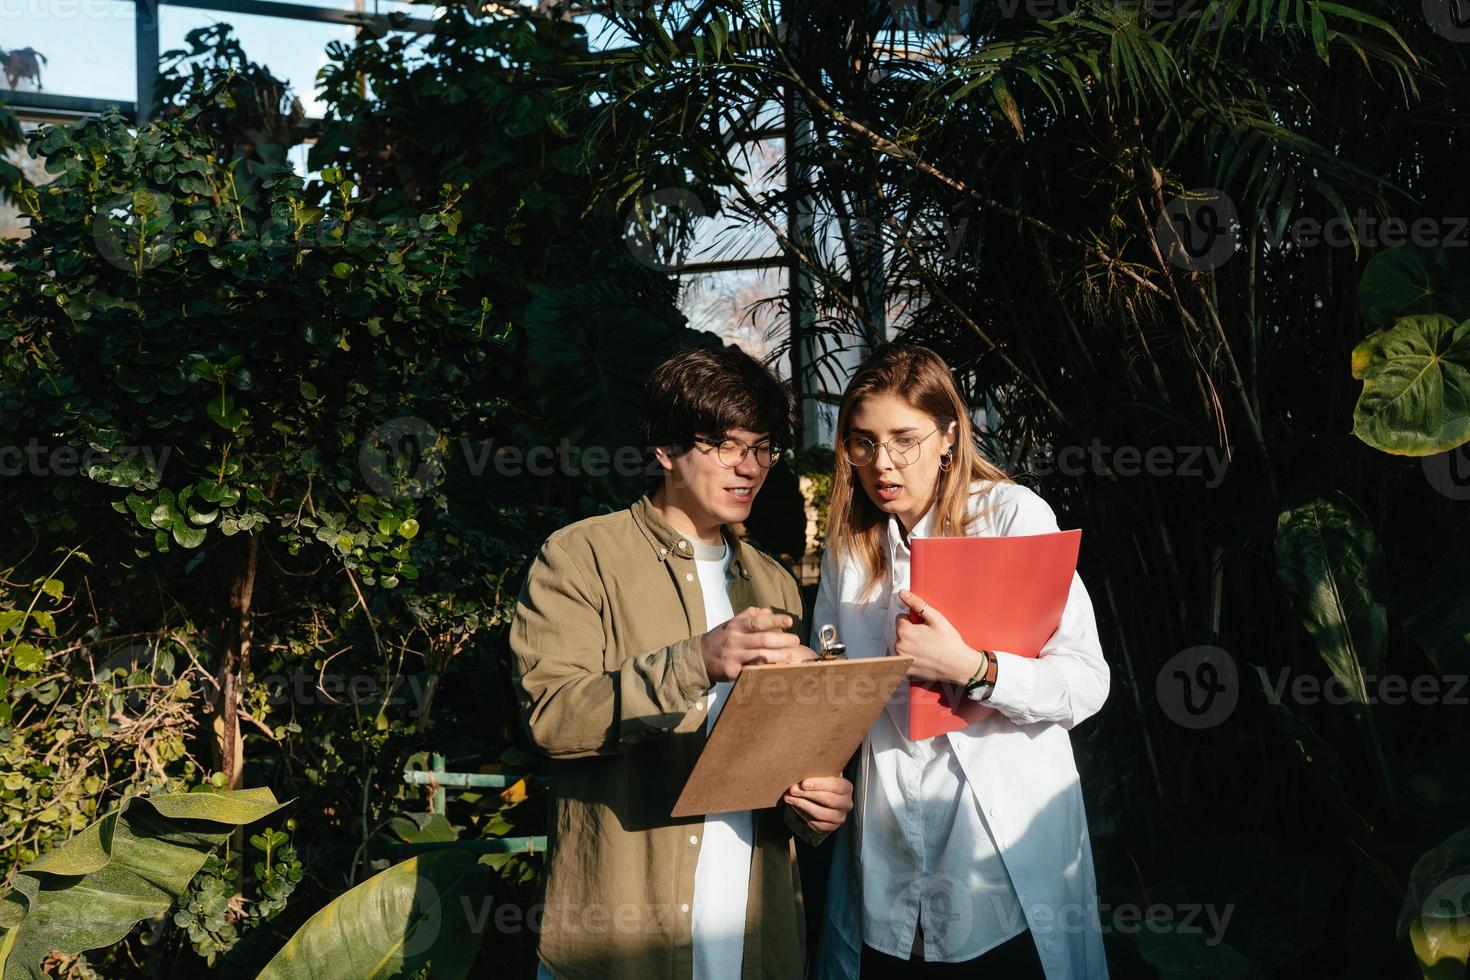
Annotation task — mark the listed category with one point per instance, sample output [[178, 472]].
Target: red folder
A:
[[1001, 593]]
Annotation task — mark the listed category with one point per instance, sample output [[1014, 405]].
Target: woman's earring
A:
[[946, 460]]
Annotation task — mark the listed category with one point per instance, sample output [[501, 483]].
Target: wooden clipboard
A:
[[784, 723]]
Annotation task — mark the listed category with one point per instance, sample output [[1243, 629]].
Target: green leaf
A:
[[396, 923], [27, 657], [1416, 386], [1415, 279], [129, 866], [53, 588], [1329, 560]]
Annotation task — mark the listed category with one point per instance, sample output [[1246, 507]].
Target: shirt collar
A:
[[669, 544], [923, 529]]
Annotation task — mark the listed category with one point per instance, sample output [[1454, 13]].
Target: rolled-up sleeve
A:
[[1068, 682], [571, 705]]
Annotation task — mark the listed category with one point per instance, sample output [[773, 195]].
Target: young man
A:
[[628, 635]]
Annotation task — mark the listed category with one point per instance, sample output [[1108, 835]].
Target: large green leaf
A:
[[1330, 562], [420, 914], [128, 866], [1416, 386], [1414, 280], [1435, 916]]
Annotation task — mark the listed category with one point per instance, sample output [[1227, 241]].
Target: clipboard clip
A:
[[830, 649]]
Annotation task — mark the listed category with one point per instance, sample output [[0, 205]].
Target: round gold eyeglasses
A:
[[902, 449]]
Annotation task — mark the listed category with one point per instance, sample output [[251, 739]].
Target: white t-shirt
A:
[[722, 874]]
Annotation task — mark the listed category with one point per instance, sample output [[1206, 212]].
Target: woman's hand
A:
[[822, 801], [939, 652]]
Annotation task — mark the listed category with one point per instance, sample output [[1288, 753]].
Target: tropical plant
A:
[[128, 866], [1103, 215]]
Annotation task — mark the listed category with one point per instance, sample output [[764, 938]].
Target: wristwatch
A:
[[978, 688]]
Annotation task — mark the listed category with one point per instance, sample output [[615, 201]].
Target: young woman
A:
[[967, 854]]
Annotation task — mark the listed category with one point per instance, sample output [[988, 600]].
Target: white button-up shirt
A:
[[979, 833], [927, 854]]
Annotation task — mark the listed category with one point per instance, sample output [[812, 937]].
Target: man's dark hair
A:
[[709, 391]]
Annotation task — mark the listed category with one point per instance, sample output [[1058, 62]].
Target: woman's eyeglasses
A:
[[732, 452], [902, 449]]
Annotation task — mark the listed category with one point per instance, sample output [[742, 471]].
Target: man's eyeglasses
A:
[[732, 452], [902, 449]]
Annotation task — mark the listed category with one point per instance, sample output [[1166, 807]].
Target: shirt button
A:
[[662, 552], [994, 811], [699, 706], [683, 545], [694, 838], [684, 908], [689, 576], [1048, 947]]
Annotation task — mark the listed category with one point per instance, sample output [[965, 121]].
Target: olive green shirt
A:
[[612, 684]]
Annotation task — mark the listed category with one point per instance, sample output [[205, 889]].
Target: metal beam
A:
[[729, 265], [145, 32], [301, 11], [46, 106]]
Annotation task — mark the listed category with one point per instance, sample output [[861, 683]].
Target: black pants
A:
[[1014, 959]]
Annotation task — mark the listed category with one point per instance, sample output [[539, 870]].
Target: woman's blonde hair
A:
[[920, 377]]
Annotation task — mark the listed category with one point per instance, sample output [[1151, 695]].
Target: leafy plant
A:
[[129, 866], [411, 917]]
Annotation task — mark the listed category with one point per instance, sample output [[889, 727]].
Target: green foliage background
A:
[[261, 533]]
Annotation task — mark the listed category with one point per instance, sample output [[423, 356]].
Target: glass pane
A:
[[603, 34], [293, 50], [747, 307], [70, 47], [738, 232]]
